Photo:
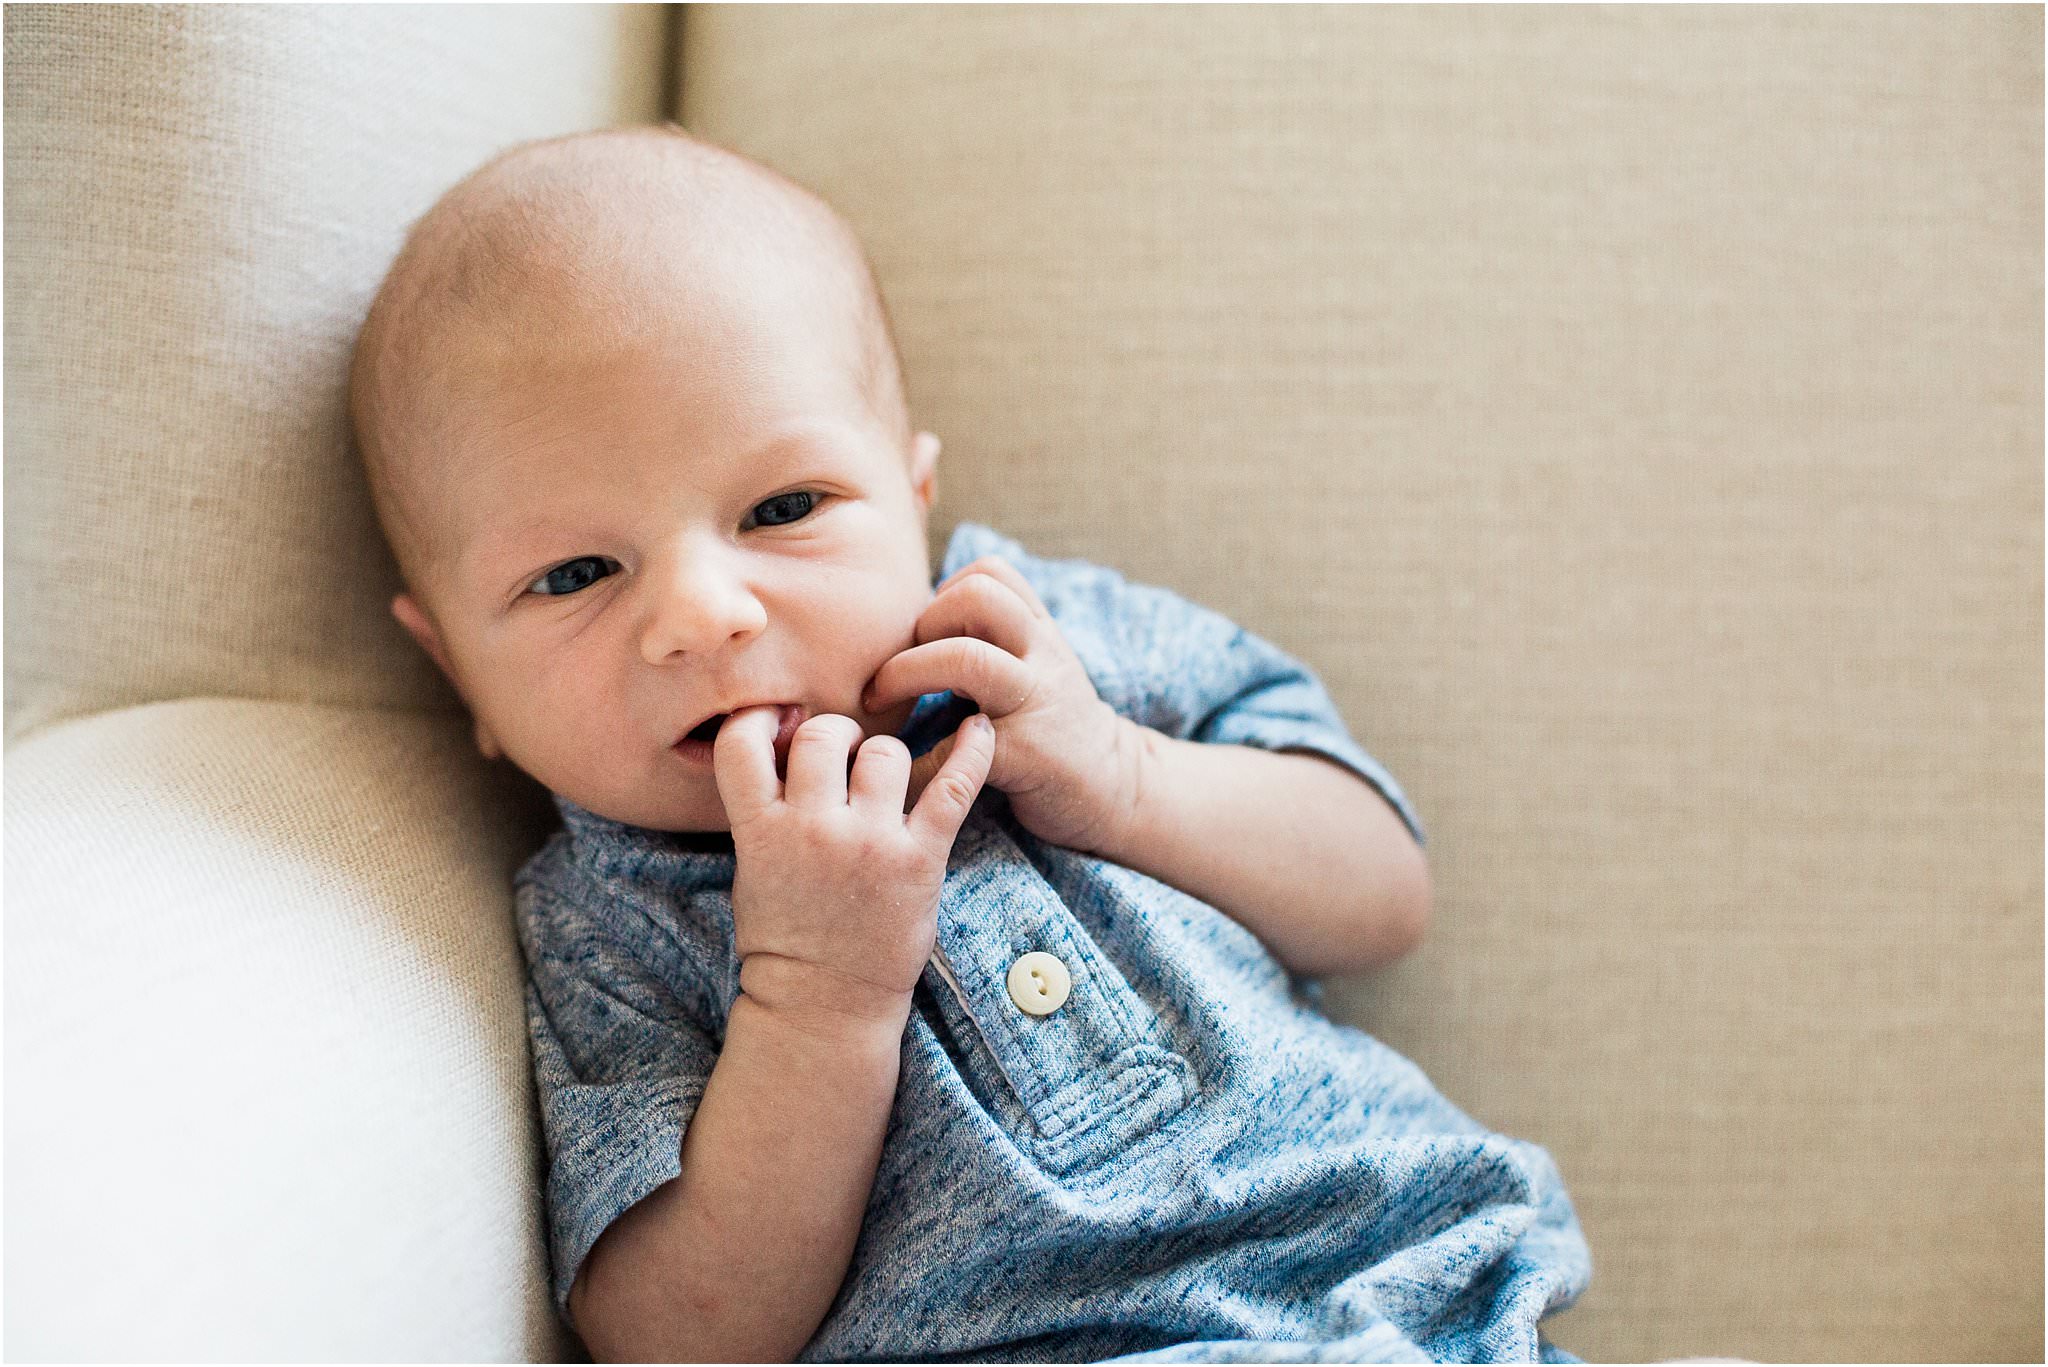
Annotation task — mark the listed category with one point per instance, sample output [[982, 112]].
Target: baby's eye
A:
[[788, 508], [571, 575]]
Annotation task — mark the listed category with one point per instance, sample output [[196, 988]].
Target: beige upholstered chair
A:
[[1634, 415]]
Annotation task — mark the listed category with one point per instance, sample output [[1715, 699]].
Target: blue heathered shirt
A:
[[1186, 1161]]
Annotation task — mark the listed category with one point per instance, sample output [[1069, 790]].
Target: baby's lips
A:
[[787, 719]]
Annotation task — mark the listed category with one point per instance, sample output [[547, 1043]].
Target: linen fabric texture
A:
[[1187, 1161]]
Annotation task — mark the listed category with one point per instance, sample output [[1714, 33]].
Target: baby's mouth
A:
[[698, 744]]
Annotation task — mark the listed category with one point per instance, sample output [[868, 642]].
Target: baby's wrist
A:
[[819, 997], [1120, 824]]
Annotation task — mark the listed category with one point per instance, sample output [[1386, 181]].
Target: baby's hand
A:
[[830, 873], [1067, 761]]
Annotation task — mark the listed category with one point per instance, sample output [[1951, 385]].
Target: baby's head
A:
[[635, 427]]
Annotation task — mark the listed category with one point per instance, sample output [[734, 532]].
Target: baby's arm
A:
[[1297, 849], [835, 901], [738, 1259]]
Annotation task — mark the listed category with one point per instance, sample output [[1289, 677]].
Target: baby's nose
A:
[[697, 615]]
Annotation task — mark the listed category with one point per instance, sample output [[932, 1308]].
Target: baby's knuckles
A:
[[848, 893]]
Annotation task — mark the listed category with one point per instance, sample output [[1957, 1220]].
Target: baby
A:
[[922, 970]]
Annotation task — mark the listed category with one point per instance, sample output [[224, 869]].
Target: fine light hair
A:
[[562, 237]]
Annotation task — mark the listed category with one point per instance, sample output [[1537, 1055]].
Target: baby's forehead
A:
[[564, 273], [611, 220]]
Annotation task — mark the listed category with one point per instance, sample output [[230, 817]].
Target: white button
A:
[[1039, 983]]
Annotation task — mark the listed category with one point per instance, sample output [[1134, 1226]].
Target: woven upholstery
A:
[[1633, 414]]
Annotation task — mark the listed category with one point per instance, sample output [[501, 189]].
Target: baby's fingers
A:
[[946, 799], [881, 771], [743, 763]]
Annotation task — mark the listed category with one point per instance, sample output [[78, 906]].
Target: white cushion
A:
[[267, 1083]]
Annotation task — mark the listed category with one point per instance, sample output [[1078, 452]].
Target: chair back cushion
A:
[[200, 202], [1634, 415]]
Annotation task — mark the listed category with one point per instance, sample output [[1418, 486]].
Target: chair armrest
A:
[[268, 1090]]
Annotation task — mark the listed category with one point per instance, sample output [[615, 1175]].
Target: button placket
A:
[[1093, 1067], [945, 971]]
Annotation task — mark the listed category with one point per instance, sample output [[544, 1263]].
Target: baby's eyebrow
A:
[[494, 544]]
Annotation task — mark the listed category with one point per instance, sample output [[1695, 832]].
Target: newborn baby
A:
[[922, 970]]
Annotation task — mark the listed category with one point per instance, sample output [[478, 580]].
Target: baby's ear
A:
[[414, 619], [924, 468]]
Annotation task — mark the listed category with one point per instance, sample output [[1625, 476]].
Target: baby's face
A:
[[662, 532]]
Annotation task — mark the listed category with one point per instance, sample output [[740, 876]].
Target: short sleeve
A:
[[619, 1067], [1193, 674]]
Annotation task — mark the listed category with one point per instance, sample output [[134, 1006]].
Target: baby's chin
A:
[[652, 815], [708, 841], [681, 801], [687, 829]]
